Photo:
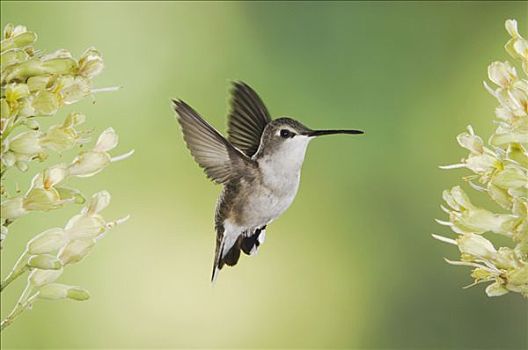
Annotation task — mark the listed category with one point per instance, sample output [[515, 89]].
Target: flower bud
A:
[[47, 242], [89, 163], [39, 278], [75, 251], [12, 208], [56, 291], [27, 143], [77, 293], [45, 262], [91, 63]]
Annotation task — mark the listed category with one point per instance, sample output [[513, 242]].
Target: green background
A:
[[352, 263]]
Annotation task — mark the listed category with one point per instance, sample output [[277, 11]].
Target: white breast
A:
[[281, 173]]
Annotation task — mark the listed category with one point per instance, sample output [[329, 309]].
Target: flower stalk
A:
[[34, 87], [500, 170]]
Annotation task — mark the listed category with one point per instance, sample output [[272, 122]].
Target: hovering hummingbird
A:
[[259, 166]]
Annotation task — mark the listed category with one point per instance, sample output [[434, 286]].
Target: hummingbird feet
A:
[[250, 244]]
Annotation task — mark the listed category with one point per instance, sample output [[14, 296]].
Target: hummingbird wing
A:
[[247, 119], [221, 161]]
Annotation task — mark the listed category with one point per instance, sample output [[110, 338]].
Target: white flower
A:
[[496, 289], [56, 291], [107, 141], [15, 92], [481, 164], [75, 250], [75, 89], [45, 103], [41, 199], [91, 63], [85, 226], [502, 74], [47, 242], [89, 163], [54, 175], [92, 162], [60, 138], [470, 141], [26, 143], [44, 262], [13, 208], [99, 201], [511, 28], [476, 246], [38, 277]]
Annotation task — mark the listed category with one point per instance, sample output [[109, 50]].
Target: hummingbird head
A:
[[287, 138]]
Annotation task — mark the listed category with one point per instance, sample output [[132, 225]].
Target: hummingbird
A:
[[259, 166]]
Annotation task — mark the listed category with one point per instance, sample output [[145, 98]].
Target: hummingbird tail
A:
[[228, 249], [230, 258]]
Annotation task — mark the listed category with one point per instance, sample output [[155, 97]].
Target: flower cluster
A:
[[48, 253], [47, 193], [35, 85], [499, 169]]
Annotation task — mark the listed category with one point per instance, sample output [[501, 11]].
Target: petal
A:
[[107, 141]]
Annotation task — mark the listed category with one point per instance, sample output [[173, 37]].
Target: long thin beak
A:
[[315, 133]]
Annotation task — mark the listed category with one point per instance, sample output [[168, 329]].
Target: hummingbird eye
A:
[[285, 133]]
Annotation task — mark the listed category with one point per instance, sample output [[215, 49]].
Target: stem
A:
[[19, 269], [22, 305]]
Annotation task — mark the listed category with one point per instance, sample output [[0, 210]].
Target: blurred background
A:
[[352, 263]]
